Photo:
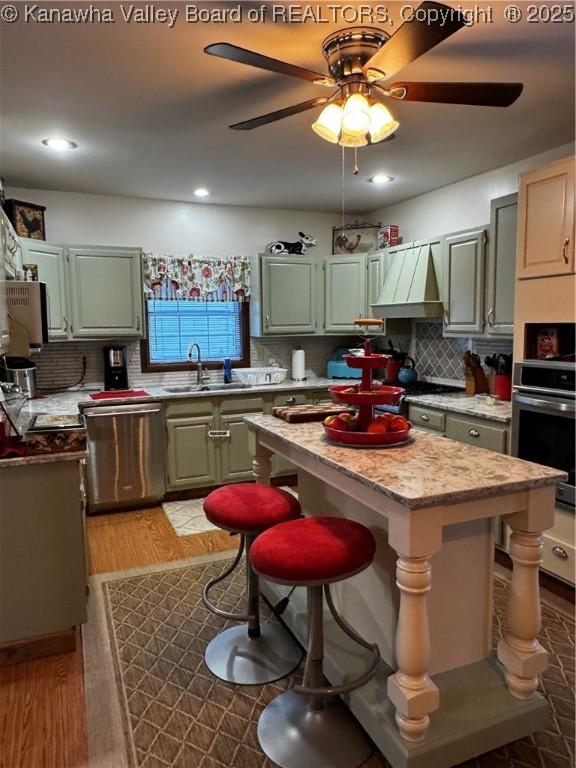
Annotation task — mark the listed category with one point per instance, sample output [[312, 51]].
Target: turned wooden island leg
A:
[[520, 652], [261, 461], [410, 689]]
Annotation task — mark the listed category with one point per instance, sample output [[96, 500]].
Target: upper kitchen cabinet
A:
[[546, 221], [464, 282], [51, 261], [105, 292], [284, 295], [345, 292], [501, 266], [10, 248]]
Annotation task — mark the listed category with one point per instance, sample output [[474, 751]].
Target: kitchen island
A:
[[441, 696]]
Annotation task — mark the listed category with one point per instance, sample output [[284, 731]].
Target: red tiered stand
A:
[[365, 399]]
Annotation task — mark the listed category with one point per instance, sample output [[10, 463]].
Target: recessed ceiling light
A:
[[59, 144], [202, 192], [380, 178]]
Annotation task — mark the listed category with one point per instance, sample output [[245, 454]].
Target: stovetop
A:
[[420, 388]]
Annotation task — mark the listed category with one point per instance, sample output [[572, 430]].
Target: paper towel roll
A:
[[298, 364]]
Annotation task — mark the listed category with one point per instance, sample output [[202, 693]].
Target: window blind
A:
[[174, 325]]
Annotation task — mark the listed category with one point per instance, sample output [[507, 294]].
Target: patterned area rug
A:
[[174, 714]]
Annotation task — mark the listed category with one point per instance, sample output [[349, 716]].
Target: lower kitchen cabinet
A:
[[483, 433], [43, 579], [191, 454], [235, 457]]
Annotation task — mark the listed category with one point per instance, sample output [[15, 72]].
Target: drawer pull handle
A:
[[424, 417], [267, 321], [473, 433], [565, 251], [290, 400], [219, 434], [560, 552]]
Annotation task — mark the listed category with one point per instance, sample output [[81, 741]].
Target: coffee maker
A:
[[115, 370]]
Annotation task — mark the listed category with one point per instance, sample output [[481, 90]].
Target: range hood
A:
[[411, 288]]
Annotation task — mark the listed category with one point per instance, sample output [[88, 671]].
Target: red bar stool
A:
[[309, 726], [256, 653]]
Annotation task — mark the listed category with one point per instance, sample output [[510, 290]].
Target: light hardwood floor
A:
[[42, 713]]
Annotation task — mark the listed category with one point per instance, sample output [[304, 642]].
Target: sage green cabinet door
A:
[[51, 261], [464, 282], [289, 294], [345, 292], [501, 266], [377, 270], [191, 454], [235, 456], [106, 292]]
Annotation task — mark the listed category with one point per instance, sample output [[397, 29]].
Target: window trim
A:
[[147, 366]]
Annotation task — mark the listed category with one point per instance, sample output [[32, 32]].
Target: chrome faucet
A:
[[199, 366]]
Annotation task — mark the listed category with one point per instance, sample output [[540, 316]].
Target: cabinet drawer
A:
[[291, 398], [474, 432], [559, 558], [320, 396], [199, 406], [424, 417], [242, 405]]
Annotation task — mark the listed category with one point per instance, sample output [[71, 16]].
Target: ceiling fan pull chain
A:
[[343, 183], [356, 169]]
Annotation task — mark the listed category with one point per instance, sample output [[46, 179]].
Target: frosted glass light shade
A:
[[356, 118], [329, 123], [382, 124], [350, 140]]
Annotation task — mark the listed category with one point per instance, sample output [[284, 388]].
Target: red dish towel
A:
[[119, 393]]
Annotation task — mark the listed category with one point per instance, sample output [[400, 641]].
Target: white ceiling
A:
[[149, 111]]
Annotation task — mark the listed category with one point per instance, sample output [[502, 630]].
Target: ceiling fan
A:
[[360, 61]]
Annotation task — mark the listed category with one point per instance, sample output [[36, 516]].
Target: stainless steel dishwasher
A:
[[125, 466]]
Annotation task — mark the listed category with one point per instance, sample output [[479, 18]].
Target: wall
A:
[[173, 227], [462, 205]]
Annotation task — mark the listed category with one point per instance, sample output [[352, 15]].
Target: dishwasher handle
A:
[[126, 410]]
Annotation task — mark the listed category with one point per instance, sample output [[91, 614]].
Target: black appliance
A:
[[544, 418], [419, 388], [115, 369]]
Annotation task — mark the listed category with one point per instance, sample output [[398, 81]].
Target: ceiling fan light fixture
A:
[[356, 117], [329, 123], [382, 124], [351, 140]]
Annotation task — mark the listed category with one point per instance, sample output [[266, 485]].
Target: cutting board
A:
[[297, 414]]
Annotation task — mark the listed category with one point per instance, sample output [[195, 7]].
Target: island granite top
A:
[[429, 471]]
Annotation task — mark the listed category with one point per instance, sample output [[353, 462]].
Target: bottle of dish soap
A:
[[227, 371]]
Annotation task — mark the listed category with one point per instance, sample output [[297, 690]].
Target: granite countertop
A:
[[465, 404], [429, 471], [43, 458], [71, 400]]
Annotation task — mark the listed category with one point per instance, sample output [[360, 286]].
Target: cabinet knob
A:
[[290, 400], [565, 250], [473, 433], [424, 417], [560, 552]]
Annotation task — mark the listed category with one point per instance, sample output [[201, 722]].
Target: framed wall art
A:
[[355, 237], [26, 218]]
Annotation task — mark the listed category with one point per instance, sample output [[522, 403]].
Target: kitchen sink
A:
[[205, 388], [181, 390]]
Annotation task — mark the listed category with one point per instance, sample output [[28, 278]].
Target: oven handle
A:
[[548, 404]]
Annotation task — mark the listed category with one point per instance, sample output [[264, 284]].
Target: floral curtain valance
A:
[[195, 278]]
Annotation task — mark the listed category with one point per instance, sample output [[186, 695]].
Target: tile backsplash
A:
[[59, 365], [441, 358]]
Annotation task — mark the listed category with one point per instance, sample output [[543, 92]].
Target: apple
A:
[[338, 423], [399, 424], [379, 425]]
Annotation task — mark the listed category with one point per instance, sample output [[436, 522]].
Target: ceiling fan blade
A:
[[280, 114], [244, 56], [413, 39], [475, 94]]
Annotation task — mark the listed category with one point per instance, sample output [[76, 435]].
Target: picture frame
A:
[[355, 237], [26, 218]]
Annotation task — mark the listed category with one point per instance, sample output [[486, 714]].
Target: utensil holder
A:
[[503, 386]]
